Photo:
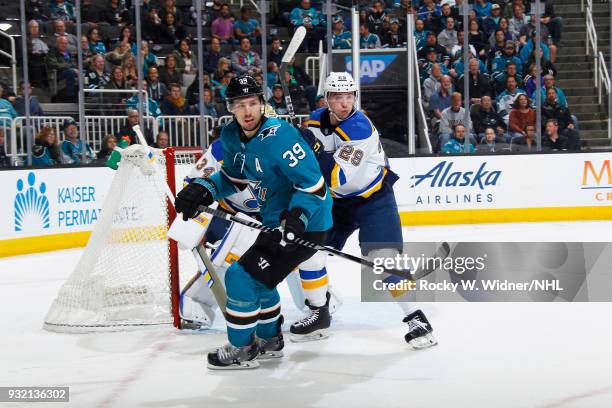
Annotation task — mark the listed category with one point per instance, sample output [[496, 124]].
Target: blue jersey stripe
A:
[[217, 150], [342, 177]]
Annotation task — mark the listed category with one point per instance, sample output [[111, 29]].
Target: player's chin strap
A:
[[442, 252], [337, 118]]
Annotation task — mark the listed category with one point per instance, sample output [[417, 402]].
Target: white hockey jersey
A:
[[360, 162], [210, 162]]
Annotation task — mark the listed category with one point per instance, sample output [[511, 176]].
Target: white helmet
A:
[[339, 82]]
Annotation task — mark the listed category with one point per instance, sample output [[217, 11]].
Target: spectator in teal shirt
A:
[[153, 110], [7, 111], [368, 39], [341, 39], [247, 27], [62, 10], [46, 151], [74, 150], [456, 144], [308, 17], [482, 9], [95, 45], [304, 15], [147, 57], [420, 34]]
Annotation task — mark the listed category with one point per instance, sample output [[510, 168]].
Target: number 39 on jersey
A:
[[294, 155]]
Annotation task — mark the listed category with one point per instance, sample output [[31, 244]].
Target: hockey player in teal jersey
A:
[[294, 199]]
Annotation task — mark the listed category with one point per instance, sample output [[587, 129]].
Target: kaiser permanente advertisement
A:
[[63, 204], [48, 202]]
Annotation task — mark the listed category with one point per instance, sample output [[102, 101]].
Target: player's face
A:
[[247, 112], [341, 103]]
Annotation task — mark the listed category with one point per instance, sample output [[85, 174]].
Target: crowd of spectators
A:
[[501, 76], [169, 64], [168, 58], [501, 71]]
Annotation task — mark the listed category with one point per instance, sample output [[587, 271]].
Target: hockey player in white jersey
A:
[[358, 173]]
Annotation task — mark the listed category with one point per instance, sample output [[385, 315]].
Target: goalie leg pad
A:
[[237, 239], [196, 315], [197, 300], [295, 288]]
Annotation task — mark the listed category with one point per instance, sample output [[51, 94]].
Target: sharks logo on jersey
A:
[[270, 131]]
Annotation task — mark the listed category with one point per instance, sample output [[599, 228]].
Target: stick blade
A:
[[296, 41]]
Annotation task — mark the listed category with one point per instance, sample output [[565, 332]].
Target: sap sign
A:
[[372, 66]]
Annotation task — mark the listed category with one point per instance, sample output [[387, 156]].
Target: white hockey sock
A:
[[313, 275], [407, 307], [315, 285]]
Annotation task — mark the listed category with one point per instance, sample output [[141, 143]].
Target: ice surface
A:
[[490, 354]]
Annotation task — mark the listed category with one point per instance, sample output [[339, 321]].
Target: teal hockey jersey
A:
[[285, 171]]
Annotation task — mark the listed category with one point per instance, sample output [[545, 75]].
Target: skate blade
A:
[[245, 365], [314, 336], [423, 342], [270, 355]]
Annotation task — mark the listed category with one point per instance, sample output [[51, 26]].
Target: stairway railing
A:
[[602, 76], [13, 57]]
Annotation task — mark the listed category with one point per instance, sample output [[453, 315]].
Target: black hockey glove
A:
[[293, 224], [198, 192]]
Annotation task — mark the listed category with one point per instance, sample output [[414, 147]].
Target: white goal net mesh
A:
[[122, 280]]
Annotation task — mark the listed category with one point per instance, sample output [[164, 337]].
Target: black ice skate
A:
[[314, 326], [272, 347], [229, 357], [419, 334]]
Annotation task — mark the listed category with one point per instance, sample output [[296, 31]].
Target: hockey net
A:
[[128, 275]]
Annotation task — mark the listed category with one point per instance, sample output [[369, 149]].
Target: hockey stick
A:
[[442, 251], [215, 286], [296, 41]]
